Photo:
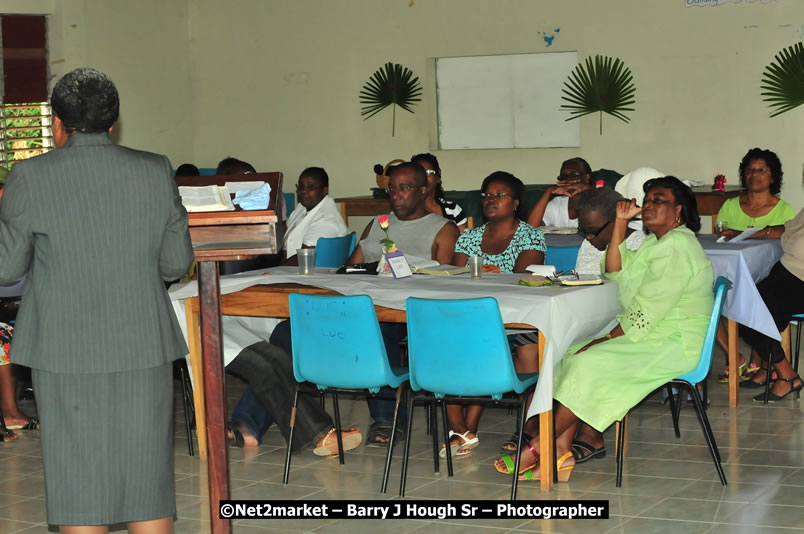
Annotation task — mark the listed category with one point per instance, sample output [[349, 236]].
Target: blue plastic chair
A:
[[338, 346], [290, 202], [689, 380], [334, 251], [458, 349], [562, 258]]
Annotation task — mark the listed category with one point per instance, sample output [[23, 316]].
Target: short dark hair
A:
[[773, 163], [234, 166], [602, 200], [85, 100], [579, 161], [683, 196], [316, 173], [418, 171], [514, 184], [187, 169]]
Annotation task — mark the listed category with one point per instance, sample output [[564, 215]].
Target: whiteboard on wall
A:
[[509, 101]]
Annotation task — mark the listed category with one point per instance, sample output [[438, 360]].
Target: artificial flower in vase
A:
[[388, 245]]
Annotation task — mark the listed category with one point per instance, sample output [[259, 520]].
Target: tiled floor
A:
[[670, 485]]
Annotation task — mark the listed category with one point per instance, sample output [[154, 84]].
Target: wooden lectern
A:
[[217, 236]]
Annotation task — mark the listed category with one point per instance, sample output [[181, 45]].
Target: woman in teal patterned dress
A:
[[507, 244], [665, 290]]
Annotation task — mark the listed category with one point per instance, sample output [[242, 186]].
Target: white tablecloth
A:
[[745, 264], [564, 315]]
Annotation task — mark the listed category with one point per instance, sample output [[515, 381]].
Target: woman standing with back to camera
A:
[[96, 228]]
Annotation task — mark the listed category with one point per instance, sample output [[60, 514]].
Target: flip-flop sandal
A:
[[510, 465], [381, 429], [237, 437], [513, 441], [459, 449], [563, 472], [352, 438], [584, 452], [7, 435], [32, 424]]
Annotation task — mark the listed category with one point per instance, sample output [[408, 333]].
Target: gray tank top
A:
[[414, 238]]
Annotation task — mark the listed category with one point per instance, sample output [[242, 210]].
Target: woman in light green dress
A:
[[665, 290]]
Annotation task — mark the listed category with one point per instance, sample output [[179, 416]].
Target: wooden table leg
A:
[[786, 342], [215, 400], [546, 465], [734, 377], [196, 364]]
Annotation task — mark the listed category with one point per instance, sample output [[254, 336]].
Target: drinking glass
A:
[[476, 266], [306, 260]]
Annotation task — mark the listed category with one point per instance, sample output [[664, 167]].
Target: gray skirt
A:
[[107, 445]]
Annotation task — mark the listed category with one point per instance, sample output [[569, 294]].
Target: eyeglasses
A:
[[300, 187], [570, 175], [402, 188], [498, 196], [587, 234], [758, 170]]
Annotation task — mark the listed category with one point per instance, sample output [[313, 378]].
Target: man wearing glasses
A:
[[415, 231], [575, 177], [419, 234], [315, 216]]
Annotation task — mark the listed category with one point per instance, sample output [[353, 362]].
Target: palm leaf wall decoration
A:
[[603, 85], [783, 80], [392, 85]]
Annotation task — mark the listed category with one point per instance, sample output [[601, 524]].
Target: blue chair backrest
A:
[[290, 203], [722, 284], [337, 342], [562, 258], [458, 347], [334, 251]]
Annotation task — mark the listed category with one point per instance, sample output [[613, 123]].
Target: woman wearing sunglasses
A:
[[434, 200]]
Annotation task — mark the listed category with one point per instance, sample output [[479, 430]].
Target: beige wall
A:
[[276, 82], [289, 73], [143, 46]]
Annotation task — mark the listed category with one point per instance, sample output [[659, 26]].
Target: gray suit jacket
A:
[[96, 228]]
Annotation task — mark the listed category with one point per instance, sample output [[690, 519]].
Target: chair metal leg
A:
[[322, 399], [338, 427], [430, 407], [290, 436], [446, 436], [707, 430], [705, 394], [520, 438], [768, 380], [798, 345], [620, 444], [407, 447], [673, 414], [399, 392]]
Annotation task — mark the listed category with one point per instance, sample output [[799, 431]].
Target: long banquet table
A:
[[562, 314], [745, 264]]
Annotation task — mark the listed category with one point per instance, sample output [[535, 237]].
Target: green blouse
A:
[[665, 290], [737, 219]]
